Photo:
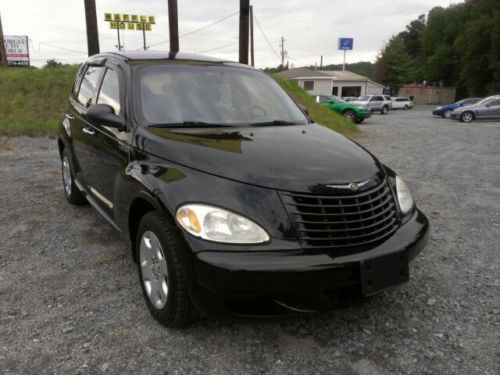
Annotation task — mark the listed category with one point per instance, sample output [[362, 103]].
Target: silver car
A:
[[488, 108], [374, 103]]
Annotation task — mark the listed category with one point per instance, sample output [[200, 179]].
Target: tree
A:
[[394, 65], [52, 63]]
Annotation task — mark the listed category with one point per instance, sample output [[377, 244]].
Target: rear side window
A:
[[88, 87], [377, 99], [110, 91], [495, 102]]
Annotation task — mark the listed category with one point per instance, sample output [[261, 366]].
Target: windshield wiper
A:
[[187, 124], [273, 122]]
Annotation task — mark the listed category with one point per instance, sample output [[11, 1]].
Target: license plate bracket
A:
[[378, 274]]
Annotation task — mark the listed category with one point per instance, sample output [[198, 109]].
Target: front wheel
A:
[[385, 110], [349, 114], [161, 272], [467, 116], [73, 194], [405, 107]]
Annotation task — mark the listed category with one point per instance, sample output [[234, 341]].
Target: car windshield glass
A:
[[364, 98], [203, 95], [485, 101], [336, 99]]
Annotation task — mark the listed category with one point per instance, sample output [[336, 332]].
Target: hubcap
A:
[[349, 115], [154, 269], [467, 117], [66, 170]]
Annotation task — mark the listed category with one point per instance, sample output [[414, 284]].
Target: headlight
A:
[[216, 224], [438, 108], [404, 196]]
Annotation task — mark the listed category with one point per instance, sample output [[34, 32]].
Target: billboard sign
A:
[[129, 21], [346, 44], [16, 49]]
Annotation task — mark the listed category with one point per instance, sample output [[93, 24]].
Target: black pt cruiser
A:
[[234, 201]]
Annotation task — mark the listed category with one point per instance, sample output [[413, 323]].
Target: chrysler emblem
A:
[[353, 186]]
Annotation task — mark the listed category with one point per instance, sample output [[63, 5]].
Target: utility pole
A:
[[252, 58], [321, 63], [243, 47], [3, 54], [283, 53], [92, 33], [173, 26]]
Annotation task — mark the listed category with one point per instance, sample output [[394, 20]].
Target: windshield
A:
[[336, 99], [485, 101], [207, 95], [363, 98]]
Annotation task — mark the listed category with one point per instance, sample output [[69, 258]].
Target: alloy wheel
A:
[[349, 115], [66, 171], [467, 117], [154, 269]]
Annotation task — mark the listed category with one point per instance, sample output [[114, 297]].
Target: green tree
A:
[[394, 65]]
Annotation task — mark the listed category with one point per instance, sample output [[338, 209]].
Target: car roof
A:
[[163, 56]]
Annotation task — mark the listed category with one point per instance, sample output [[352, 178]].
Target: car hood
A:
[[466, 107], [302, 158]]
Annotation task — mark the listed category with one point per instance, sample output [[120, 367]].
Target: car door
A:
[[491, 110], [375, 103], [85, 95], [109, 145]]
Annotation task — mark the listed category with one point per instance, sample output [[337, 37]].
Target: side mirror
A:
[[304, 109], [105, 114], [488, 105]]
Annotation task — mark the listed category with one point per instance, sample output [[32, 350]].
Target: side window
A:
[[110, 91], [88, 87], [308, 85], [78, 79], [495, 102], [377, 99], [323, 99]]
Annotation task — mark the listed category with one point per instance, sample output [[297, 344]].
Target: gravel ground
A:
[[70, 301]]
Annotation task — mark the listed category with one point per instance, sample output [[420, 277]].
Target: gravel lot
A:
[[70, 301]]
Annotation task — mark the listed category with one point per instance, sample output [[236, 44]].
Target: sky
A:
[[56, 28]]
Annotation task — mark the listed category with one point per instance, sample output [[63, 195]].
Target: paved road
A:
[[70, 301]]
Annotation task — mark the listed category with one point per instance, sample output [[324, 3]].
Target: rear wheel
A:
[[161, 273], [349, 114], [467, 116], [384, 110], [73, 194]]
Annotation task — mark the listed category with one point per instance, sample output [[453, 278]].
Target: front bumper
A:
[[455, 115], [364, 114], [225, 278], [439, 112]]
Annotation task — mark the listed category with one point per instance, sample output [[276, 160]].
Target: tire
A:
[[359, 120], [467, 116], [349, 114], [447, 114], [384, 110], [161, 273], [405, 107], [71, 191]]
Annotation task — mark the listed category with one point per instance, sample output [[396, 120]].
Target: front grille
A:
[[343, 221]]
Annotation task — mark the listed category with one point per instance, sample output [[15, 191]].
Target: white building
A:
[[333, 82]]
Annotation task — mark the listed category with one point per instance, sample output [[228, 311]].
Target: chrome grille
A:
[[343, 221]]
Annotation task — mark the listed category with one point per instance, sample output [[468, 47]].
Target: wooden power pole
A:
[[92, 32], [173, 25], [3, 54], [252, 58], [244, 12]]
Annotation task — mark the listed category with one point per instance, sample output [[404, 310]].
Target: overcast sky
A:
[[310, 28]]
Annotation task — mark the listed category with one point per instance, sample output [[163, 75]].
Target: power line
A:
[[220, 47], [265, 37], [54, 46], [199, 29]]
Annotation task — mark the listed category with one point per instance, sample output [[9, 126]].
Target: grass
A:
[[317, 113], [33, 101]]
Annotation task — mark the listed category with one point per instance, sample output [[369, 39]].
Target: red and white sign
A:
[[16, 48]]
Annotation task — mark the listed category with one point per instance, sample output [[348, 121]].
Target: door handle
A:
[[89, 131], [69, 116]]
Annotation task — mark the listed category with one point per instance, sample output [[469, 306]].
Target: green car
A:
[[353, 112]]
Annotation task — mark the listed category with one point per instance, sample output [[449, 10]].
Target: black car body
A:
[[330, 209]]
